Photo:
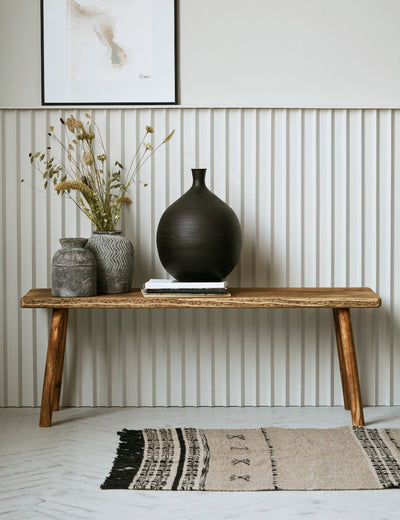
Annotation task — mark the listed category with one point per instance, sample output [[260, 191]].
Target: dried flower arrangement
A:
[[102, 187]]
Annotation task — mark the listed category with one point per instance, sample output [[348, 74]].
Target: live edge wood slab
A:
[[340, 300]]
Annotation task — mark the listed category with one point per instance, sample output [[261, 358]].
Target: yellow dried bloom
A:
[[74, 185], [88, 158], [102, 157], [147, 146], [73, 123], [70, 122], [127, 200], [169, 136], [149, 129]]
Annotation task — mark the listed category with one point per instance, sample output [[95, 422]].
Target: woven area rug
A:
[[257, 459]]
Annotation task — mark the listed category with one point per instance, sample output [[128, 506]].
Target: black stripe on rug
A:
[[206, 461], [385, 465], [390, 462], [128, 460], [179, 470], [272, 458]]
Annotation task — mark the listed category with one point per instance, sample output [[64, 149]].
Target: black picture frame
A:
[[83, 66]]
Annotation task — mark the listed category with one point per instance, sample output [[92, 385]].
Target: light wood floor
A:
[[56, 472]]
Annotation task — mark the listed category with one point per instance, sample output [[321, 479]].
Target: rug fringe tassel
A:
[[127, 461]]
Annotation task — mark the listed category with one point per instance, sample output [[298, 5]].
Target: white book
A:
[[155, 283], [185, 294]]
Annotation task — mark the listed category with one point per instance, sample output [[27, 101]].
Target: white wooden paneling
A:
[[317, 194]]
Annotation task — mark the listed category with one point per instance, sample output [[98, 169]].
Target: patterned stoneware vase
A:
[[114, 258], [73, 269]]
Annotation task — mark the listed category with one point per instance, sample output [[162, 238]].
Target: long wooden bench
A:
[[340, 300]]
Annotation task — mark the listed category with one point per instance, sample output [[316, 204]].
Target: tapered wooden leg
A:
[[54, 365], [350, 364], [343, 373], [56, 391]]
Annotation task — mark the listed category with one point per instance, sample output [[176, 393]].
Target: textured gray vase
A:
[[114, 258], [73, 269]]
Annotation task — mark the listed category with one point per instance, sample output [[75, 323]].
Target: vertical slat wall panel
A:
[[294, 263], [40, 256], [247, 266], [395, 282], [279, 257], [11, 244], [218, 323], [385, 386], [174, 335], [264, 248], [3, 274], [234, 199], [204, 340], [368, 363], [318, 196], [327, 349], [28, 358], [312, 377]]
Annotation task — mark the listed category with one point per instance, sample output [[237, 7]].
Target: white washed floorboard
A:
[[55, 473]]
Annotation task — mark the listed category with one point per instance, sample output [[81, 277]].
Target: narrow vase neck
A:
[[199, 175]]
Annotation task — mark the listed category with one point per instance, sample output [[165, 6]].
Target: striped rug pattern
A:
[[259, 459]]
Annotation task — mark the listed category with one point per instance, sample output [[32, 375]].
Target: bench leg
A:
[[56, 391], [348, 365], [54, 366], [343, 374]]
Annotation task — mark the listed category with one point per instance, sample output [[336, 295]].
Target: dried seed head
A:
[[169, 136]]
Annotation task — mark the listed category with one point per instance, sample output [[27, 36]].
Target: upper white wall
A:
[[306, 53], [20, 59]]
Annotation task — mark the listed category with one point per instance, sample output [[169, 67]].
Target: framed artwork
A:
[[108, 52]]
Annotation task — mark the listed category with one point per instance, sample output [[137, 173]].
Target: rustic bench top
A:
[[255, 297]]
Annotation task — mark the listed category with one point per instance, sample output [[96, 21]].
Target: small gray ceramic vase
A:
[[73, 270], [114, 258]]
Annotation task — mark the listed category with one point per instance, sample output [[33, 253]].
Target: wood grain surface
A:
[[259, 297], [54, 366], [348, 366], [342, 365]]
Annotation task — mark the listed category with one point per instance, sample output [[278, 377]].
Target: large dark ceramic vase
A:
[[199, 237]]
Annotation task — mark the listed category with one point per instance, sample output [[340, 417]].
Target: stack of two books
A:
[[156, 287]]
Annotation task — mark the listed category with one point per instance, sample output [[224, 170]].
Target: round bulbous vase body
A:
[[199, 237], [73, 270], [114, 256]]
